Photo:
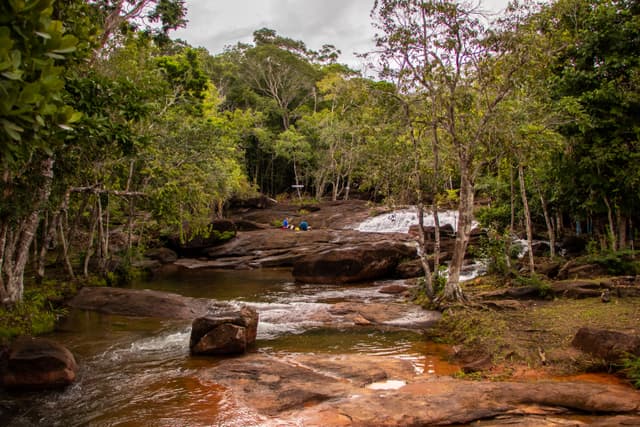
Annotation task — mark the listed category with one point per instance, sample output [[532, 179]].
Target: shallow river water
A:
[[138, 372]]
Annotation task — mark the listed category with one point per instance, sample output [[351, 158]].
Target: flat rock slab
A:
[[272, 385], [142, 303], [447, 401], [336, 390]]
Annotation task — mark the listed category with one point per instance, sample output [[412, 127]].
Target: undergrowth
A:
[[38, 311]]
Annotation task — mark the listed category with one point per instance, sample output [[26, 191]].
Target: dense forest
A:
[[108, 124]]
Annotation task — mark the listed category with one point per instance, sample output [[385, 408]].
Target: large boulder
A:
[[218, 232], [163, 255], [140, 303], [225, 332], [38, 363], [352, 264], [608, 345]]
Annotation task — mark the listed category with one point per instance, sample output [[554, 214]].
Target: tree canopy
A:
[[106, 124]]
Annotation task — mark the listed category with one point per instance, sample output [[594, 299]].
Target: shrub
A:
[[631, 368]]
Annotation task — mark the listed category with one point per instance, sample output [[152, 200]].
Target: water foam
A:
[[399, 221]]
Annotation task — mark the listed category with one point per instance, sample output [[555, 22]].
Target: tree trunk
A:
[[89, 251], [49, 228], [512, 224], [452, 290], [422, 253], [622, 230], [527, 218], [612, 228], [15, 259], [65, 251], [548, 221]]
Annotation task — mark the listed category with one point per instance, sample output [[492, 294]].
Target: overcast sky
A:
[[346, 24]]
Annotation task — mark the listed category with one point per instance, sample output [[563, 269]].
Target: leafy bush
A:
[[631, 368], [497, 217], [493, 249], [536, 281], [37, 313], [616, 263]]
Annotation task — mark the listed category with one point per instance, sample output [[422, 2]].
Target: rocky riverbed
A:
[[510, 342]]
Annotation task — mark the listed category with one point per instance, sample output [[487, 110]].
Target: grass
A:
[[516, 337]]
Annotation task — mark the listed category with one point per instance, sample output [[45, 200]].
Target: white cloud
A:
[[346, 24]]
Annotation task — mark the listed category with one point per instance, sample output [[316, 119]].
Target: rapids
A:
[[137, 371]]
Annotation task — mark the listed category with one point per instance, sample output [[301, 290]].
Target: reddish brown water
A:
[[138, 372]]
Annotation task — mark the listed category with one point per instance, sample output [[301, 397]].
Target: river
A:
[[138, 371]]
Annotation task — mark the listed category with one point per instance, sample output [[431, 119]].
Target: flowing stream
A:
[[138, 371]]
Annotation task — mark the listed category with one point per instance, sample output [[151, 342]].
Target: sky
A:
[[346, 24]]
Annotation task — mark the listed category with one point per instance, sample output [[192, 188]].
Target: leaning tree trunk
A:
[[527, 218], [612, 228], [17, 241], [547, 219], [452, 290]]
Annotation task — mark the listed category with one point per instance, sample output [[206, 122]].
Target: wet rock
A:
[[38, 363], [335, 391], [271, 385], [390, 314], [351, 264], [246, 225], [164, 255], [141, 303], [472, 360], [224, 332], [409, 269], [608, 345], [575, 270], [393, 289], [449, 402], [577, 289]]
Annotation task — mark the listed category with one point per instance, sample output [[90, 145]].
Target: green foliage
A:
[[595, 80], [37, 313], [616, 263], [494, 248], [536, 281], [496, 216], [631, 368], [33, 49]]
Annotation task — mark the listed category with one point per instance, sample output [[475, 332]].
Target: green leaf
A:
[[45, 36], [13, 75], [30, 93], [54, 55], [12, 130]]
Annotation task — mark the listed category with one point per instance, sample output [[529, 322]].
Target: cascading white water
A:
[[399, 221]]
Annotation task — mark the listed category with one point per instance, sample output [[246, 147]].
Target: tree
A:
[[595, 79], [35, 118], [443, 49]]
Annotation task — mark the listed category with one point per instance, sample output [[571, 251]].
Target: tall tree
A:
[[35, 116], [596, 80], [443, 49]]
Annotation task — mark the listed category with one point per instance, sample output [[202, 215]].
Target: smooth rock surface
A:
[[38, 363], [225, 332]]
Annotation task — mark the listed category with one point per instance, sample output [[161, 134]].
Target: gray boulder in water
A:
[[224, 332]]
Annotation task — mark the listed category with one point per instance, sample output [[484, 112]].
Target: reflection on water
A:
[[138, 371]]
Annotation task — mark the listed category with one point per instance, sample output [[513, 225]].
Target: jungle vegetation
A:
[[109, 127]]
